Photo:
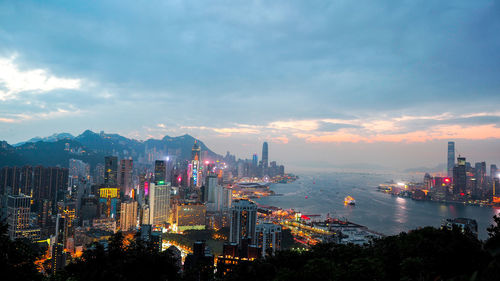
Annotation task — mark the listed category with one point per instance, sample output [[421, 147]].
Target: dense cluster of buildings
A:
[[66, 209], [462, 182]]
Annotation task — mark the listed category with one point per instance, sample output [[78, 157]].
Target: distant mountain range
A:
[[91, 147]]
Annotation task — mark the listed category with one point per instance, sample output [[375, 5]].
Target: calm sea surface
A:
[[378, 211]]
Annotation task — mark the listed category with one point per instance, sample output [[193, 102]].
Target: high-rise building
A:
[[196, 151], [18, 215], [213, 194], [160, 171], [78, 170], [159, 203], [493, 171], [460, 176], [49, 183], [265, 156], [9, 180], [109, 201], [58, 255], [125, 176], [111, 171], [194, 166], [451, 158], [128, 215], [243, 221], [268, 238], [98, 177], [255, 160], [480, 174]]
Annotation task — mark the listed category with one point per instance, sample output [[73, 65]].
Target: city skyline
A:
[[333, 91]]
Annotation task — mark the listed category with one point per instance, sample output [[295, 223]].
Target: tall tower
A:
[[160, 171], [459, 176], [243, 221], [195, 151], [111, 171], [125, 176], [451, 158], [265, 156], [195, 164]]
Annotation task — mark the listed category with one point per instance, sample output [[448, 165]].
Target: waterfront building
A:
[[243, 222], [268, 238], [460, 177], [111, 171], [451, 158], [465, 225], [265, 155], [480, 174]]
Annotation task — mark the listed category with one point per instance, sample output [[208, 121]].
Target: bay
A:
[[324, 193]]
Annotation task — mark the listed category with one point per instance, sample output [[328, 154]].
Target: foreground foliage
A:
[[423, 254]]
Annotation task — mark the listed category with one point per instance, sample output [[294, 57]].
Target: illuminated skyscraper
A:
[[159, 202], [243, 221], [160, 171], [451, 158], [459, 176], [194, 169], [111, 171], [196, 151], [265, 156]]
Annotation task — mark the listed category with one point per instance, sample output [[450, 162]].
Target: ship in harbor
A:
[[349, 201]]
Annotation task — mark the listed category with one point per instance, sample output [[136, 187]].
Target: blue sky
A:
[[320, 80]]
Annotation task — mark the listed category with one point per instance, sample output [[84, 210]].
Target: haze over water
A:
[[378, 211]]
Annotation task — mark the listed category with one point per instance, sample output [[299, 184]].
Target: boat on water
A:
[[349, 201]]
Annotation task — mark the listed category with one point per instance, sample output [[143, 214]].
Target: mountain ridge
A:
[[91, 147]]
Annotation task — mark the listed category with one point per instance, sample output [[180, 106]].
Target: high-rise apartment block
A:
[[128, 215], [268, 238], [243, 221]]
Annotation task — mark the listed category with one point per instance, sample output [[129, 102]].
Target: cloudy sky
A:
[[327, 83]]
